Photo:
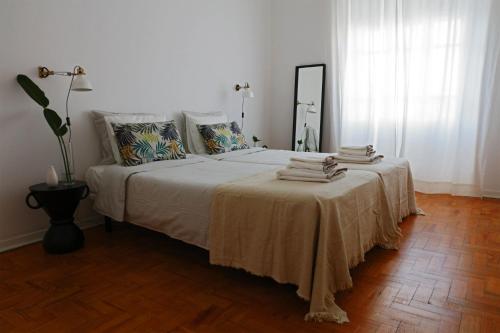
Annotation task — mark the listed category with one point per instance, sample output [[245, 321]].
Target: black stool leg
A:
[[108, 224]]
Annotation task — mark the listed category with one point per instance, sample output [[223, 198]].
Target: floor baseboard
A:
[[491, 194], [36, 236]]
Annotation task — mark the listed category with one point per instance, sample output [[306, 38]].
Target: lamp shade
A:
[[248, 93], [80, 83]]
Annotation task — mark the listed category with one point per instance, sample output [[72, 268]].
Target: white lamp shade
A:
[[80, 83], [248, 93]]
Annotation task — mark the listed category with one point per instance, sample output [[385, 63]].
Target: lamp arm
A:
[[68, 121], [242, 112], [44, 72], [69, 152], [238, 86], [62, 73]]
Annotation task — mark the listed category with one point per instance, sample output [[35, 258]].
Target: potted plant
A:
[[55, 123], [255, 140]]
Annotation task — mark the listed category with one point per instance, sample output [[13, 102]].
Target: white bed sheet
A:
[[236, 154], [394, 172], [172, 197], [93, 176]]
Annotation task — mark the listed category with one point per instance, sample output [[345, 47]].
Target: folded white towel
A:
[[313, 159], [306, 173], [312, 166], [359, 159], [367, 147], [300, 173], [357, 150], [303, 165], [318, 171], [316, 180]]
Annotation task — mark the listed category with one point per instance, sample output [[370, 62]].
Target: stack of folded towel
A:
[[312, 169], [358, 154]]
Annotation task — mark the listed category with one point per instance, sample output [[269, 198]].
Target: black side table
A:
[[60, 203]]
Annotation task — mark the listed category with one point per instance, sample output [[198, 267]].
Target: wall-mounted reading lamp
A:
[[311, 108], [246, 92], [79, 82]]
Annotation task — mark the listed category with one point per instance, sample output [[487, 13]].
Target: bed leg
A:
[[108, 224]]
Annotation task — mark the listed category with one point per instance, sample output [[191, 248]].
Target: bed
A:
[[307, 234]]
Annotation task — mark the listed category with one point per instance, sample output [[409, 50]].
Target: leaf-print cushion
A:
[[222, 138], [141, 143]]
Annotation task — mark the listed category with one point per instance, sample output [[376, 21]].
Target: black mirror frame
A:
[[297, 69]]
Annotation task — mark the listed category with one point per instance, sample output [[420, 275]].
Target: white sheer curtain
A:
[[410, 80]]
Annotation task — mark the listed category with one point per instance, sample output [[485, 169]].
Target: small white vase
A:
[[51, 177]]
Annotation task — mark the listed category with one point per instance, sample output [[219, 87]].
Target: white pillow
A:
[[102, 132], [127, 119], [195, 142]]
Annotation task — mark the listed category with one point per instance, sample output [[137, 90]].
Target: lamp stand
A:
[[242, 112], [71, 156]]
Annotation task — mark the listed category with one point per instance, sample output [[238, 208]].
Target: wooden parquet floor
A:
[[445, 278]]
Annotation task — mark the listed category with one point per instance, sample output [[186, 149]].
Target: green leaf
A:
[[62, 130], [32, 90], [161, 148], [145, 128], [54, 122], [144, 149], [124, 134]]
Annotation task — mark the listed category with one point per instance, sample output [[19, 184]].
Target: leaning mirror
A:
[[308, 112]]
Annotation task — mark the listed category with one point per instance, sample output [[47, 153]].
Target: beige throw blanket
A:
[[307, 234]]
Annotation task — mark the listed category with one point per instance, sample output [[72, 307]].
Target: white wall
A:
[[141, 56], [300, 36]]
